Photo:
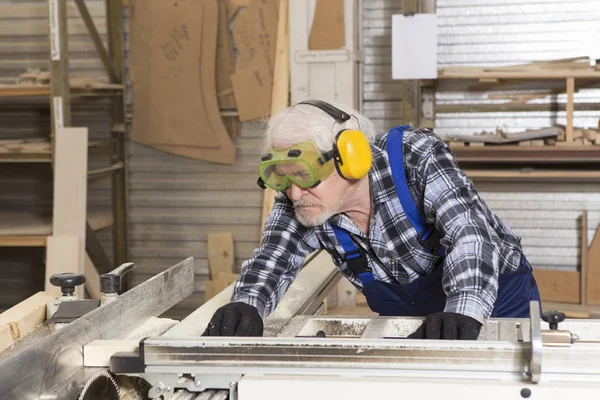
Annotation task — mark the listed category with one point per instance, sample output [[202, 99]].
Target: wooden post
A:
[[281, 88], [584, 258], [69, 204], [570, 108]]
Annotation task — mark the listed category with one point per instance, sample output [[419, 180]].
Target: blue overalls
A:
[[425, 295]]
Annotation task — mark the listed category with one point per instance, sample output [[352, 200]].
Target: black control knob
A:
[[553, 318], [111, 282], [67, 282]]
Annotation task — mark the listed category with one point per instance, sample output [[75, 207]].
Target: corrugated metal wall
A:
[[496, 32], [503, 32], [24, 44]]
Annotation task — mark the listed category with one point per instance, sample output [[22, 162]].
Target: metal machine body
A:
[[304, 353], [343, 357]]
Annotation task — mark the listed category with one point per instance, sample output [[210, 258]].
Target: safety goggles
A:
[[301, 164]]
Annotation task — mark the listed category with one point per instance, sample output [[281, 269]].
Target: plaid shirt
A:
[[478, 244]]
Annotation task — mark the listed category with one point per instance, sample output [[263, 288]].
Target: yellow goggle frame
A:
[[302, 164]]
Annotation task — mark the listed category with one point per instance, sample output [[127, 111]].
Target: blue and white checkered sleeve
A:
[[453, 205], [266, 276]]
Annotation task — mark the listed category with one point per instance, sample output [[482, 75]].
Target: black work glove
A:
[[445, 325], [235, 319]]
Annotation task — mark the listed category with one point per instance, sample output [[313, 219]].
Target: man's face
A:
[[314, 206]]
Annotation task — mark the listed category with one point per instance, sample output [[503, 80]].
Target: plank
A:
[[281, 89], [97, 353], [593, 262], [328, 28], [570, 108], [584, 258], [220, 254], [63, 255], [507, 137], [21, 224], [558, 286], [69, 210], [24, 317]]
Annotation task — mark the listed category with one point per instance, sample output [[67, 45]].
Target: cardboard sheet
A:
[[414, 46]]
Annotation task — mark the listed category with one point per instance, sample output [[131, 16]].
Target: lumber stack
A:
[[552, 136]]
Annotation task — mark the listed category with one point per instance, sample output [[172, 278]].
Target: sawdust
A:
[[34, 336], [337, 327], [153, 327]]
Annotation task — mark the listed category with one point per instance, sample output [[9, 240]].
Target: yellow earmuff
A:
[[353, 155], [351, 150]]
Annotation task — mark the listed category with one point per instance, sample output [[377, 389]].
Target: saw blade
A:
[[99, 387]]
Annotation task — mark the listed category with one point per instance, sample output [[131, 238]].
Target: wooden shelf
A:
[[30, 150], [526, 175], [528, 154], [84, 88], [26, 230]]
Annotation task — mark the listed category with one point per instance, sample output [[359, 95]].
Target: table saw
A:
[[122, 349]]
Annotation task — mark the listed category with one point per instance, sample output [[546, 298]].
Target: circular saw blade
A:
[[100, 386]]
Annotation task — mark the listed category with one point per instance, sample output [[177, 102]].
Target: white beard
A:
[[313, 221]]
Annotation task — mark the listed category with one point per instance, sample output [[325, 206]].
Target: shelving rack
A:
[[29, 230]]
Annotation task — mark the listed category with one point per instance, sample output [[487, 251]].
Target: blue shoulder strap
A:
[[396, 156], [354, 259]]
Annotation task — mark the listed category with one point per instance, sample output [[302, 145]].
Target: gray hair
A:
[[303, 122]]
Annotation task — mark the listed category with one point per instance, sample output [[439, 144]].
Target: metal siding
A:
[[497, 32], [176, 202], [506, 32], [23, 45]]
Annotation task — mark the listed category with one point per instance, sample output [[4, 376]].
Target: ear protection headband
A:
[[351, 150]]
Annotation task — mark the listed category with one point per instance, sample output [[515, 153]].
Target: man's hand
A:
[[445, 325], [235, 319]]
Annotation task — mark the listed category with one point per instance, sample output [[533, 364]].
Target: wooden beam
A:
[[70, 196], [584, 258], [558, 286], [62, 255], [23, 318], [593, 262], [220, 254], [570, 108], [97, 353], [280, 97]]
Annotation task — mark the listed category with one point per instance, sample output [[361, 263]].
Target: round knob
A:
[[553, 318], [67, 281]]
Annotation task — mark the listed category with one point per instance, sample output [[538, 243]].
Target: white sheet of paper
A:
[[414, 46]]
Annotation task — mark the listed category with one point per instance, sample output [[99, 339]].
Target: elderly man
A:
[[397, 215]]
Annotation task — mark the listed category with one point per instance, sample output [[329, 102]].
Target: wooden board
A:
[[28, 230], [253, 77], [584, 278], [328, 28], [23, 318], [165, 60], [63, 255], [594, 269], [558, 286], [506, 137], [97, 353], [220, 254], [570, 109], [179, 111], [69, 211], [281, 89]]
